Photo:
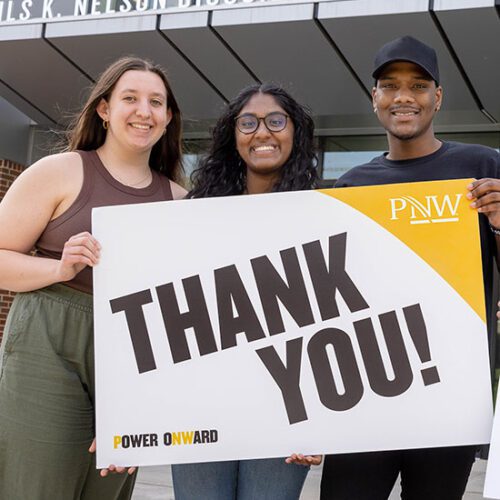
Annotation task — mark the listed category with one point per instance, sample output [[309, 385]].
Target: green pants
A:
[[47, 401]]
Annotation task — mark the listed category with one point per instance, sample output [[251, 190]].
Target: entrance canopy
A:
[[322, 52]]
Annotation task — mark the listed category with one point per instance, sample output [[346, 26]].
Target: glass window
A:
[[341, 153], [193, 151], [336, 163], [491, 139]]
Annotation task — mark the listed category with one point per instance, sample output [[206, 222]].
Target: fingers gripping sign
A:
[[79, 251], [300, 459], [111, 468], [485, 196]]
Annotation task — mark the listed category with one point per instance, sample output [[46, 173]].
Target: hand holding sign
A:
[[486, 195], [80, 251], [111, 468], [298, 458]]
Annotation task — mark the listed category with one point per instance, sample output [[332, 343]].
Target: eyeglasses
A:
[[249, 123]]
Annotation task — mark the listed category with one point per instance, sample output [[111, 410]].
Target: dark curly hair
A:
[[223, 172]]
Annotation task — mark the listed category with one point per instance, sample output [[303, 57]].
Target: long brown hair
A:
[[87, 133]]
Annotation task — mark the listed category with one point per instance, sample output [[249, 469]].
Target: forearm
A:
[[24, 273]]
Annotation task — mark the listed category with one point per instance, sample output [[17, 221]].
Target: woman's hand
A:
[[298, 458], [80, 251], [112, 468]]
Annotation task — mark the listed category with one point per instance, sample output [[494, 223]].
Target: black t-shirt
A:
[[452, 160]]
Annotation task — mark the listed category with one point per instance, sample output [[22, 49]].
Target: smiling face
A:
[[264, 152], [136, 111], [406, 100]]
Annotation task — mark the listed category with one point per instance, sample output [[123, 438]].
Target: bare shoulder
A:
[[36, 197], [51, 173], [178, 192], [52, 182], [57, 164]]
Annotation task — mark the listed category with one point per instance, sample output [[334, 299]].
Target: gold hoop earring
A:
[[105, 124]]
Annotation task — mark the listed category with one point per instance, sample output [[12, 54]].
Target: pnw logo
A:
[[432, 209]]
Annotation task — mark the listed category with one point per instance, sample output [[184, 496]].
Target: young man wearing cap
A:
[[406, 98]]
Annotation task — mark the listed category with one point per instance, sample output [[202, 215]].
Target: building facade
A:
[[52, 50]]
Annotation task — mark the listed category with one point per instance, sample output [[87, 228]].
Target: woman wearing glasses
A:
[[262, 143]]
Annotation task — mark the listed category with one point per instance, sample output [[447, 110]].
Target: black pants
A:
[[426, 474]]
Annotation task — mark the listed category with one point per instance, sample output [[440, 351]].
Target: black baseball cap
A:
[[408, 49]]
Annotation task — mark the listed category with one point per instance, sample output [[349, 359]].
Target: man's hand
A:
[[485, 194]]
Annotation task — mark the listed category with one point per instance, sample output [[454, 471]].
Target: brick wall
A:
[[8, 173]]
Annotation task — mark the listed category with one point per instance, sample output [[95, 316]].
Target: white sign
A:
[[257, 326], [24, 10]]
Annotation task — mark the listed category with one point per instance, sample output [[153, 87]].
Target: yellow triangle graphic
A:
[[434, 220]]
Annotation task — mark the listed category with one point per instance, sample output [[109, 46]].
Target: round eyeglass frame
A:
[[264, 119]]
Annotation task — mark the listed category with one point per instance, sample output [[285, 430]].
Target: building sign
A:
[[320, 322], [24, 10]]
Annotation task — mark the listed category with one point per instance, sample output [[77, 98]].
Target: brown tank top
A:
[[99, 189]]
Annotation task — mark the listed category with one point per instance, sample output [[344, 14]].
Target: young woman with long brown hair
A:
[[124, 147]]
